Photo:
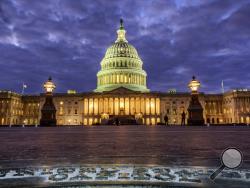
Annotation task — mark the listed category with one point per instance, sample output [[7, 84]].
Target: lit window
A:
[[174, 111], [61, 111]]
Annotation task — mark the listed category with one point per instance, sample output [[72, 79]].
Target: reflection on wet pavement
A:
[[186, 146], [178, 150]]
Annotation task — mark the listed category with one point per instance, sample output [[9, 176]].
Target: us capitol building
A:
[[122, 93]]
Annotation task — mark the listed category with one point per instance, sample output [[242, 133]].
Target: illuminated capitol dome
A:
[[122, 96], [121, 67]]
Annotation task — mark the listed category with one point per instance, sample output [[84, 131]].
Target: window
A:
[[61, 111], [208, 120], [168, 111], [174, 111], [75, 111]]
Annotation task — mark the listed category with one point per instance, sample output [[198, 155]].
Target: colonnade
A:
[[242, 104], [120, 78], [94, 108], [214, 107], [118, 105]]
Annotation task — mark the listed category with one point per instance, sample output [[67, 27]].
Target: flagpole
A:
[[23, 89], [24, 86], [222, 86]]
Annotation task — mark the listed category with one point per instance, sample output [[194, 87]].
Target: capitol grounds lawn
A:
[[146, 145]]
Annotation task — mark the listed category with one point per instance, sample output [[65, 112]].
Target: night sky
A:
[[175, 39]]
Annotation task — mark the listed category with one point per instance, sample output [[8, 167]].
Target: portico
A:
[[122, 102]]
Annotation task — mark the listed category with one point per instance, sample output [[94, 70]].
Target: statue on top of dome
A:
[[121, 24], [121, 32]]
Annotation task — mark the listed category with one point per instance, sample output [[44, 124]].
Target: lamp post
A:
[[195, 110], [48, 110]]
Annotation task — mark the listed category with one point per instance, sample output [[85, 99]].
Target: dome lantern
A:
[[194, 85], [49, 86], [121, 33]]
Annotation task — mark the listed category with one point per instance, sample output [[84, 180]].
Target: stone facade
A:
[[94, 108]]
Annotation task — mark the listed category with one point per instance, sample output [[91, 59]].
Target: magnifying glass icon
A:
[[231, 158]]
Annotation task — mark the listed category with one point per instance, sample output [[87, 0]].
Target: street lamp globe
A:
[[194, 85], [49, 86]]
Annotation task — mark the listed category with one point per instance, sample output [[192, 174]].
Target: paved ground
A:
[[158, 145]]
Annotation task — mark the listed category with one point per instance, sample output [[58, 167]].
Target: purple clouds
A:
[[175, 39]]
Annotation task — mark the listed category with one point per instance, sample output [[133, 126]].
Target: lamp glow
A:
[[194, 85], [49, 86]]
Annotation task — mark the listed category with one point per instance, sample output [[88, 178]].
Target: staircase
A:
[[123, 120]]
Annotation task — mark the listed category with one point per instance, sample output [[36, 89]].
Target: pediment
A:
[[121, 90]]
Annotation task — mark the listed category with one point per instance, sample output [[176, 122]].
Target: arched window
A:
[[208, 120]]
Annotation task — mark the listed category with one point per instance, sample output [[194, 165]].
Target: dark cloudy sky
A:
[[175, 39]]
